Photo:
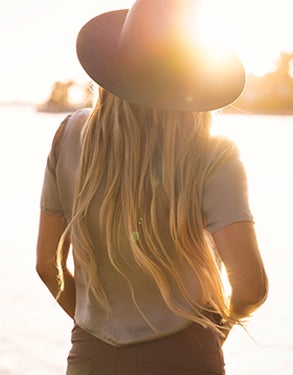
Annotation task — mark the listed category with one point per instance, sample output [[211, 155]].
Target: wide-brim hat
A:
[[145, 55]]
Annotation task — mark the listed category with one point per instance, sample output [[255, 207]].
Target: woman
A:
[[151, 203]]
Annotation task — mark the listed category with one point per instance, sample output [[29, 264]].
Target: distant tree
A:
[[60, 92], [284, 65]]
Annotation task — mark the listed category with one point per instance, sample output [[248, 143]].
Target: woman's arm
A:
[[50, 231], [238, 248]]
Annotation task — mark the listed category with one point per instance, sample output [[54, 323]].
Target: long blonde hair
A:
[[137, 158]]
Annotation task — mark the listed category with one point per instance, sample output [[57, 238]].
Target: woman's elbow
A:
[[247, 299], [263, 290], [46, 271], [258, 297]]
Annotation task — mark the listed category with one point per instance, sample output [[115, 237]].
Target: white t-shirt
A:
[[225, 201]]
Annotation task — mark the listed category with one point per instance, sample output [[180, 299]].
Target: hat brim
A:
[[200, 86]]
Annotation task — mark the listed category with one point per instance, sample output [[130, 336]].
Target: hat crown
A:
[[146, 55], [151, 26]]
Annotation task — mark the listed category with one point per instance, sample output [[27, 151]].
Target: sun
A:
[[210, 24], [231, 24]]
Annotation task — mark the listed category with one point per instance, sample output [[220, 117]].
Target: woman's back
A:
[[162, 298]]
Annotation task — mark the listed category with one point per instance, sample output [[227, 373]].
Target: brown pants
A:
[[193, 351]]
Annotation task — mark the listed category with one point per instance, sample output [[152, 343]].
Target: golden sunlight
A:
[[236, 26], [207, 24]]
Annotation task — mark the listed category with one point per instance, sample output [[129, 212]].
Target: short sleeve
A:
[[225, 196], [50, 199]]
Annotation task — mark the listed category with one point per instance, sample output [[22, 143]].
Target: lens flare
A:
[[210, 25]]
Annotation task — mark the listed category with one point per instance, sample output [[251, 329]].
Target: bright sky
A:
[[37, 38]]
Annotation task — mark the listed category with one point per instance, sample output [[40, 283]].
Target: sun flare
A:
[[210, 24], [218, 24]]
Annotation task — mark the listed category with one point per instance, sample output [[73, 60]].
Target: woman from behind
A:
[[152, 205]]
